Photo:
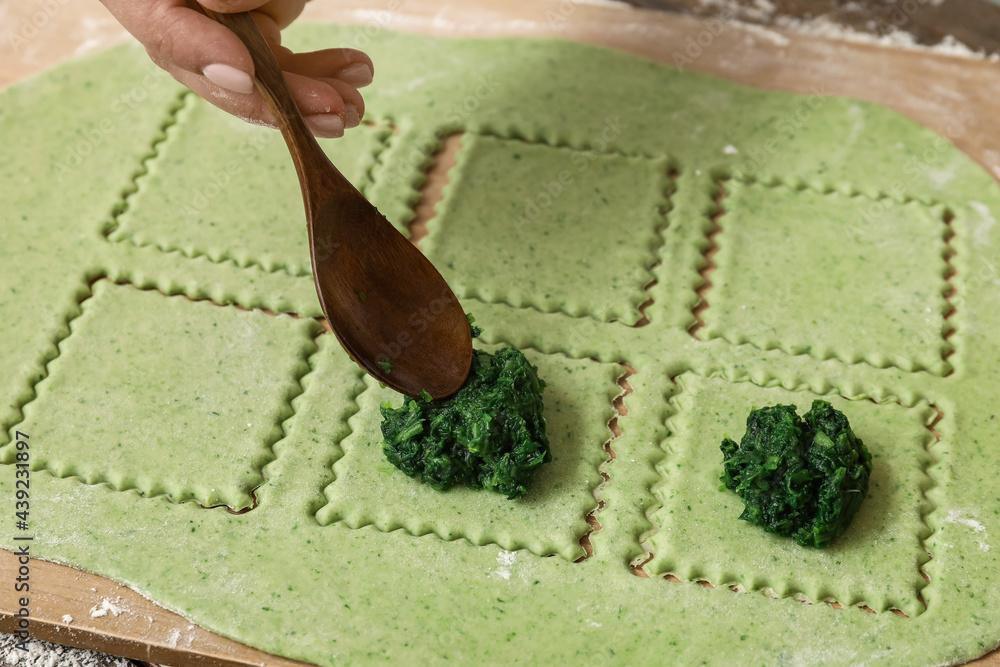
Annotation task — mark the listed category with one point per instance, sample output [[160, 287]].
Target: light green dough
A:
[[866, 285], [841, 225], [600, 214], [184, 203], [211, 408]]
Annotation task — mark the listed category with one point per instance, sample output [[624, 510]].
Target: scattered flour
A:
[[730, 150], [940, 177], [981, 231], [505, 561], [758, 10], [105, 607], [775, 38], [823, 26], [67, 619], [763, 11], [854, 7], [960, 517], [951, 46], [44, 654], [91, 44]]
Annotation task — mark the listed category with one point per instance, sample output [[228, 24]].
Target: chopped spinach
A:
[[490, 435], [476, 331], [803, 477]]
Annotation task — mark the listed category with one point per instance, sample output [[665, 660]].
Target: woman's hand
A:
[[212, 61]]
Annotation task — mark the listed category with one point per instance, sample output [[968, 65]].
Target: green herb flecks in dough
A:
[[799, 477], [490, 435]]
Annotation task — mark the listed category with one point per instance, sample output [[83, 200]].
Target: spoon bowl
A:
[[387, 304]]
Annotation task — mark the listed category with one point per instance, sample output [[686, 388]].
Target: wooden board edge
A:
[[129, 625]]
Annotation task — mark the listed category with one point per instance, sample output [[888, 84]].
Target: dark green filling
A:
[[803, 477], [490, 435], [473, 329]]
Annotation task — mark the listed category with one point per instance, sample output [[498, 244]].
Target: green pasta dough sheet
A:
[[196, 434]]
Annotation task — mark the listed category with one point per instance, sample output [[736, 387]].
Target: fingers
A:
[[344, 70], [322, 106], [188, 40], [230, 6], [354, 104], [283, 12], [213, 62], [349, 65]]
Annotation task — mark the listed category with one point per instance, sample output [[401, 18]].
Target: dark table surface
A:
[[975, 23]]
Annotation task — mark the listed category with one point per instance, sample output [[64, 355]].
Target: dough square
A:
[[698, 534], [556, 229], [874, 293], [550, 519], [167, 396], [227, 190]]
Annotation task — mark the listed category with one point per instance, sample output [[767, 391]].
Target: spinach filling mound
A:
[[803, 477], [490, 435]]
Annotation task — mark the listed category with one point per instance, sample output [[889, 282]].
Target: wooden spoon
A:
[[389, 307]]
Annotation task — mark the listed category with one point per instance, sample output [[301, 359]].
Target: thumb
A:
[[175, 34]]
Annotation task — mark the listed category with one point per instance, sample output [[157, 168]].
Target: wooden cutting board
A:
[[955, 96]]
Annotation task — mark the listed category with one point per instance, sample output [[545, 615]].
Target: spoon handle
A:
[[271, 83]]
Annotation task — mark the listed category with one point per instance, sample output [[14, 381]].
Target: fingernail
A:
[[358, 74], [229, 78], [326, 124], [353, 117]]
